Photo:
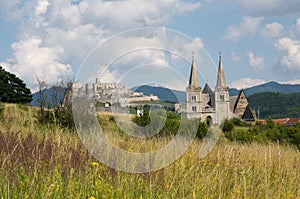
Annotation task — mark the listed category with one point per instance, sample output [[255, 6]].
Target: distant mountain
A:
[[162, 93], [51, 95], [268, 87], [179, 96]]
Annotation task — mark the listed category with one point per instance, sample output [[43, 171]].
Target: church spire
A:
[[194, 83], [221, 82]]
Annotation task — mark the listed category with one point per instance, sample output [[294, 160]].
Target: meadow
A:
[[46, 161]]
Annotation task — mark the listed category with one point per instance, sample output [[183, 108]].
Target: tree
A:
[[228, 126], [13, 89]]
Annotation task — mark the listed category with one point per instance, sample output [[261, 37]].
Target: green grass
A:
[[49, 162]]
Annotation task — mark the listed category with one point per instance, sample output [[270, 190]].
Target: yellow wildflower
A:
[[94, 164], [99, 177], [92, 197]]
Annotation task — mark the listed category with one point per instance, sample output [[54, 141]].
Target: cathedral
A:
[[205, 104]]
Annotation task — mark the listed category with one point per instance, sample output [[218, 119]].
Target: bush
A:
[[144, 119], [228, 126], [56, 117], [240, 136], [202, 130], [238, 122]]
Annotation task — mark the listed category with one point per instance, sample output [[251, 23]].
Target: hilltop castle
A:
[[215, 105]]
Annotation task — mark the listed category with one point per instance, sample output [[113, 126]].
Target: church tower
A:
[[222, 101], [193, 94]]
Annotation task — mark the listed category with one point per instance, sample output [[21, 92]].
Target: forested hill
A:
[[276, 105], [268, 87]]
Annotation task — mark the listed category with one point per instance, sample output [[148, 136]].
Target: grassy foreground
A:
[[49, 162]]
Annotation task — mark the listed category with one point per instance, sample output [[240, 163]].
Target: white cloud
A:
[[272, 30], [255, 61], [246, 83], [104, 75], [295, 81], [133, 13], [56, 34], [76, 42], [234, 56], [142, 50], [187, 48], [270, 7], [41, 7], [291, 49], [296, 28], [248, 27], [33, 60], [176, 84]]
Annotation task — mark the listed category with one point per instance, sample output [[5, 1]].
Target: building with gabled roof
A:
[[240, 107]]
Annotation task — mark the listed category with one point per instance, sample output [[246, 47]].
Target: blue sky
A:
[[50, 39]]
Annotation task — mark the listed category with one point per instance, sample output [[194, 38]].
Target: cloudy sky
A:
[[53, 39]]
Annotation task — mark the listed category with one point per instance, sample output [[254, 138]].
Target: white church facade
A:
[[204, 103]]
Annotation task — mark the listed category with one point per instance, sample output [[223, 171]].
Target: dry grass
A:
[[48, 162]]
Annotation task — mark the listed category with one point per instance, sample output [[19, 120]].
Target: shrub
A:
[[57, 116], [202, 130], [144, 119], [228, 126], [238, 122]]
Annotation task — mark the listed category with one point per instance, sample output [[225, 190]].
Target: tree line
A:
[[276, 105]]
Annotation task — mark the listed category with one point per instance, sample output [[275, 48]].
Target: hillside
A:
[[276, 105], [268, 87], [42, 161], [51, 95]]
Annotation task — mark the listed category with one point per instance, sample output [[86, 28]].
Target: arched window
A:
[[194, 109], [194, 98], [222, 98], [208, 120]]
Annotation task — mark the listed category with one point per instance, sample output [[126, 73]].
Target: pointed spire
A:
[[221, 82], [194, 83]]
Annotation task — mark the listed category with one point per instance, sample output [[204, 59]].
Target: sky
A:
[[59, 40]]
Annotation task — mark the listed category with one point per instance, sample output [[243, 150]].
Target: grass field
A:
[[48, 162]]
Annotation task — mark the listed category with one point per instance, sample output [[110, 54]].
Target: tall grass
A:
[[49, 162]]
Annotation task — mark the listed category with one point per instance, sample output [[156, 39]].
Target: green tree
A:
[[13, 89]]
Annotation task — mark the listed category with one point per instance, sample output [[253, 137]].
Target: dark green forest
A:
[[276, 105]]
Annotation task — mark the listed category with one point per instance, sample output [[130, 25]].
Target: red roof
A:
[[285, 121], [293, 121]]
